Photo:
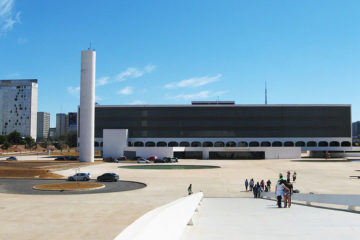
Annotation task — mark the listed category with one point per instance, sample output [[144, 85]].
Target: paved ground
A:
[[103, 216], [241, 218], [24, 186]]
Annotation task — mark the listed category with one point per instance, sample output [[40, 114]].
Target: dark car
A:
[[108, 177], [12, 158], [160, 160], [60, 158], [166, 159], [122, 158]]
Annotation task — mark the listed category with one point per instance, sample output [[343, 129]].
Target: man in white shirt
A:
[[279, 190]]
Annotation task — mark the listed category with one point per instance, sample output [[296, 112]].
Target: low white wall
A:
[[115, 141], [165, 222], [351, 201], [146, 152]]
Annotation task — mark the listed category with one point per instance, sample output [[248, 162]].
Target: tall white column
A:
[[87, 105]]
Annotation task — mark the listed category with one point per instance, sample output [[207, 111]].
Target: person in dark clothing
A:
[[294, 176], [255, 191], [246, 184], [288, 193], [268, 184], [258, 188], [190, 189]]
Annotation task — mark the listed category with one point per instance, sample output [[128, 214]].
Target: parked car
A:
[[152, 158], [110, 159], [166, 159], [12, 158], [60, 158], [137, 157], [80, 177], [160, 160], [174, 159], [122, 158], [108, 177], [142, 160]]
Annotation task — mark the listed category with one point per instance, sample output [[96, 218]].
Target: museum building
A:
[[221, 130]]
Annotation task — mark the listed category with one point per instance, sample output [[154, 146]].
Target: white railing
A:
[[165, 222], [351, 201]]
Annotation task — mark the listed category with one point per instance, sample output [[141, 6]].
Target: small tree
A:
[[3, 139], [44, 144], [14, 137], [6, 145], [72, 140], [29, 142]]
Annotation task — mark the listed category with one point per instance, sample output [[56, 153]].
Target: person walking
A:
[[259, 189], [251, 184], [255, 189], [288, 193], [262, 184], [246, 184], [268, 184], [294, 176], [190, 189], [279, 190], [288, 176]]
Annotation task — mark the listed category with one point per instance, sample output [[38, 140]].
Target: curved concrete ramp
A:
[[247, 218]]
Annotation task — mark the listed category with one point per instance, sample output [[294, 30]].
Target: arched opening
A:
[[334, 144], [254, 144], [289, 144], [300, 144], [196, 144], [243, 144], [96, 144], [277, 144], [345, 144], [161, 144], [265, 144], [231, 144], [323, 144], [101, 144], [129, 144], [219, 144], [173, 144], [311, 144], [150, 144], [208, 144], [138, 144], [184, 144]]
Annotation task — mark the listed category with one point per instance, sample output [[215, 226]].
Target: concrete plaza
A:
[[103, 216]]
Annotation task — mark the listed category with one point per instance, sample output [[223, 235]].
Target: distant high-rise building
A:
[[62, 123], [356, 129], [52, 132], [72, 122], [18, 106], [43, 125]]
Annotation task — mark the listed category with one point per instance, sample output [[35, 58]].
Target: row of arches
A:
[[241, 144]]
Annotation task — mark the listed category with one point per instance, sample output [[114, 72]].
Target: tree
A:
[[72, 140], [44, 144], [5, 145], [14, 137], [29, 142], [3, 139]]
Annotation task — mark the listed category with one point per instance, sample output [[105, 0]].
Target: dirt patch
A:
[[36, 169], [73, 186]]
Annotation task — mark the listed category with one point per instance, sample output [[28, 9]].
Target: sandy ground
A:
[[103, 216]]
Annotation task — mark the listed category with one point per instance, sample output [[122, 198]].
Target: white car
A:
[[141, 160], [80, 177]]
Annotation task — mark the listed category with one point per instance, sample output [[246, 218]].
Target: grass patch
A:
[[73, 186]]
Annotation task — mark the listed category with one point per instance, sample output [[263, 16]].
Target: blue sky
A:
[[173, 52]]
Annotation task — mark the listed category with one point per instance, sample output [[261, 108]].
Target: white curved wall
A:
[[87, 105]]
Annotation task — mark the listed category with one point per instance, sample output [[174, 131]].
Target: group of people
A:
[[284, 189], [258, 187]]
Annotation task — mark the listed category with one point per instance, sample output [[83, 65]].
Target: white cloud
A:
[[98, 98], [8, 18], [102, 81], [193, 82], [129, 73], [22, 40], [149, 68], [126, 91], [137, 102], [219, 93], [193, 96], [73, 90]]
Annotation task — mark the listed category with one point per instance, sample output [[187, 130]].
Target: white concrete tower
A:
[[87, 105]]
